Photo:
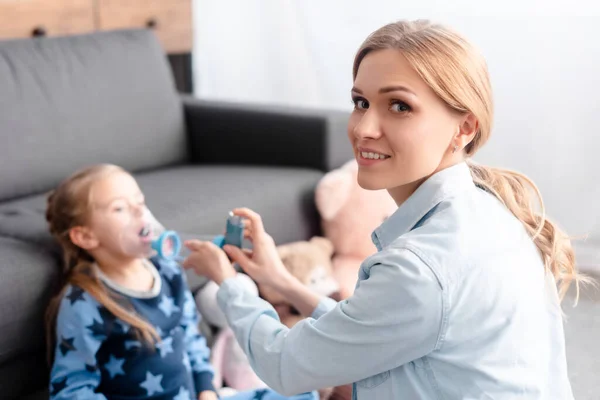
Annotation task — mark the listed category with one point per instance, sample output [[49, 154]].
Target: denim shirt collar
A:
[[438, 187]]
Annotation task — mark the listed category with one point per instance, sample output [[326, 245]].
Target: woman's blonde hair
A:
[[69, 206], [458, 75]]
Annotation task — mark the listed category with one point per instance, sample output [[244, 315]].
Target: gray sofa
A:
[[109, 97]]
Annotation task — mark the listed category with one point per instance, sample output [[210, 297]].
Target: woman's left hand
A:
[[208, 260]]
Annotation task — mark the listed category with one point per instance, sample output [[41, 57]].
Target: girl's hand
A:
[[208, 260], [262, 263], [208, 395]]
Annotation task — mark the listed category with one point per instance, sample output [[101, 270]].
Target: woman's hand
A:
[[208, 260], [263, 263]]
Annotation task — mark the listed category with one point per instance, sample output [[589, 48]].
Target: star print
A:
[[167, 306], [114, 366], [170, 270], [189, 330], [122, 326], [104, 326], [90, 311], [66, 345], [165, 346], [131, 344], [182, 395], [90, 368], [98, 329], [58, 386], [75, 295], [152, 384], [189, 307], [196, 345], [186, 362], [160, 331], [259, 394]]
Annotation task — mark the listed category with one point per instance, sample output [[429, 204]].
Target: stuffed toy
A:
[[231, 366], [310, 262], [349, 214]]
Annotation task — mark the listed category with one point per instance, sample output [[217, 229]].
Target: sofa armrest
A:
[[230, 133]]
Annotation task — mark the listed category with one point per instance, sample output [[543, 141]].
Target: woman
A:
[[461, 300]]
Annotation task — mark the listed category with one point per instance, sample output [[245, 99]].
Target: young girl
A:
[[124, 326]]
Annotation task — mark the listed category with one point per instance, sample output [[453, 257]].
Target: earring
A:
[[454, 149]]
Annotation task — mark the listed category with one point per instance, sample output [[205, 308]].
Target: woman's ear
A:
[[83, 237], [466, 131]]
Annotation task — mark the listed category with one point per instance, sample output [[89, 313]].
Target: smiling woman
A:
[[461, 299]]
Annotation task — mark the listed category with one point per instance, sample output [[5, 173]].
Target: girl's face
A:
[[401, 131], [118, 224]]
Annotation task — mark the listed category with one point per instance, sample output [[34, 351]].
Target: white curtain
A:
[[543, 55]]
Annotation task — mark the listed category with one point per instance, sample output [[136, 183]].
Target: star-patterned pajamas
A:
[[99, 357]]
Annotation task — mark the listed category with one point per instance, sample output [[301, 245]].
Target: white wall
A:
[[544, 60]]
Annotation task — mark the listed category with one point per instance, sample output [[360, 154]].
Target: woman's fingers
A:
[[247, 252], [239, 256], [256, 223]]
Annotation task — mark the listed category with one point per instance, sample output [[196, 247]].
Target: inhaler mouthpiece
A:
[[167, 245], [146, 238]]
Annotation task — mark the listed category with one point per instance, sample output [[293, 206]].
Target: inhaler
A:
[[152, 239], [234, 232]]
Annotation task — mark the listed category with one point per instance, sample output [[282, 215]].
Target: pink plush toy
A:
[[349, 214]]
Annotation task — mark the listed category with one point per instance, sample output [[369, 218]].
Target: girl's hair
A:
[[68, 207], [458, 75]]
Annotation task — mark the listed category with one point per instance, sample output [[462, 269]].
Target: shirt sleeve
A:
[[325, 305], [197, 348], [75, 373], [395, 316]]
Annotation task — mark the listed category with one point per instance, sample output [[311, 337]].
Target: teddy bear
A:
[[308, 261], [349, 215]]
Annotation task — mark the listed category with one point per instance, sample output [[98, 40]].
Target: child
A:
[[124, 325]]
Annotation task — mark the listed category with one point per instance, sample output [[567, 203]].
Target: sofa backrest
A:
[[67, 102]]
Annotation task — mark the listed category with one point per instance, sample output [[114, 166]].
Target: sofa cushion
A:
[[27, 275], [70, 101]]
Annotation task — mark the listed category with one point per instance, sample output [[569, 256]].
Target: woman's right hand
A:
[[262, 263]]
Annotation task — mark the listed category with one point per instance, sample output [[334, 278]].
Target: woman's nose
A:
[[368, 126]]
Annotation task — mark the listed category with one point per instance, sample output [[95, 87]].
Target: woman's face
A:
[[400, 130]]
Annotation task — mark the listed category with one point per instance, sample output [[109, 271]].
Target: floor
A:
[[582, 331]]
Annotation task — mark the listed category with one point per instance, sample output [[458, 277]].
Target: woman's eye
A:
[[360, 103], [399, 106]]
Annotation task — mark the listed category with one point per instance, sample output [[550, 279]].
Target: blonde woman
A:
[[462, 300]]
